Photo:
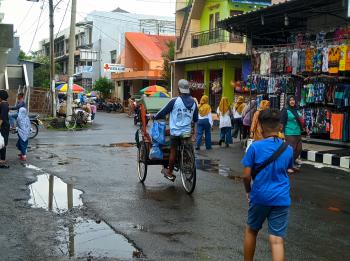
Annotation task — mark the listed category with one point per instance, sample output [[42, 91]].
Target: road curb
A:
[[326, 158]]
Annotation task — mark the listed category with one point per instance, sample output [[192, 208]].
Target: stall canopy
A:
[[275, 23]]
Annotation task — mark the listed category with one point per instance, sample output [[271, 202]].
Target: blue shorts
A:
[[277, 218]]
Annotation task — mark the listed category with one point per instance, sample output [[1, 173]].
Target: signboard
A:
[[84, 69], [110, 67], [6, 35], [256, 2]]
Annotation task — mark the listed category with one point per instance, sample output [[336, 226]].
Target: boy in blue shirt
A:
[[268, 195]]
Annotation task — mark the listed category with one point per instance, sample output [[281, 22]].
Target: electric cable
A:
[[37, 27]]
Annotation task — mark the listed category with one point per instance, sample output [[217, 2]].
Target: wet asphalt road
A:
[[158, 217]]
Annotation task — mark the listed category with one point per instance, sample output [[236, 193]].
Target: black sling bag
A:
[[274, 156]]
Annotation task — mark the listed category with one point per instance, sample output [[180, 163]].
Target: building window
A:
[[114, 56]]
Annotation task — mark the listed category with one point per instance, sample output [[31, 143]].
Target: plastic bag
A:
[[158, 132], [156, 152], [2, 142]]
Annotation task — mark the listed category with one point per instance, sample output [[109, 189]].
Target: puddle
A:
[[213, 166], [84, 238], [87, 238], [122, 145], [51, 193]]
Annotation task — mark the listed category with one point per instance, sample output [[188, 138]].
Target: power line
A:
[[64, 16], [37, 27], [24, 18]]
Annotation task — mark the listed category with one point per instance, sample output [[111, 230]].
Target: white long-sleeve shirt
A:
[[208, 116]]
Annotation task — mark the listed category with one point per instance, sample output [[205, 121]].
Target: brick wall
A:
[[39, 101]]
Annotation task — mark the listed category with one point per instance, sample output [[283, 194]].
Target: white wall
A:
[[108, 34]]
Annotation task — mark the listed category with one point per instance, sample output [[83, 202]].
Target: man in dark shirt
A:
[[13, 116], [4, 126]]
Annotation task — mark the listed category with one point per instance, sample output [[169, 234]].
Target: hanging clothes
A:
[[309, 54], [325, 60], [347, 59], [337, 126], [302, 61], [333, 60], [295, 62], [342, 58], [255, 62], [317, 60], [265, 63]]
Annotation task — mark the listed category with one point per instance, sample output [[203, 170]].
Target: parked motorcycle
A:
[[34, 128]]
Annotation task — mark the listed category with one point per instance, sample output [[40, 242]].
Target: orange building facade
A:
[[143, 60]]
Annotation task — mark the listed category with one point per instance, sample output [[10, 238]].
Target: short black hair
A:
[[20, 95], [3, 95], [270, 119]]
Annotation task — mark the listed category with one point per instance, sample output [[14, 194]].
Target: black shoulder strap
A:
[[273, 157], [297, 117]]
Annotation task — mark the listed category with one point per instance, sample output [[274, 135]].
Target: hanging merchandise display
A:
[[316, 71]]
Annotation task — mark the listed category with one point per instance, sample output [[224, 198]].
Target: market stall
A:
[[302, 48]]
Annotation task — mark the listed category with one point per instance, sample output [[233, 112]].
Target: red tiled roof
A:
[[150, 47]]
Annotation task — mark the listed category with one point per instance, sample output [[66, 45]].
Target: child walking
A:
[[267, 162], [23, 125]]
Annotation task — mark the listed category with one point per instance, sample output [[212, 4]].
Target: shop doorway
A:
[[126, 90], [215, 91], [196, 80]]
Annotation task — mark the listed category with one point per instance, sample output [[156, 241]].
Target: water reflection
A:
[[84, 237], [88, 238], [51, 193]]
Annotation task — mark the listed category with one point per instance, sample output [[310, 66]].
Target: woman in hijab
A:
[[204, 124], [23, 125], [237, 116], [4, 126], [255, 129], [292, 127], [224, 113], [247, 116]]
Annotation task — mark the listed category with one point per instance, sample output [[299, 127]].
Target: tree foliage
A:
[[104, 86], [23, 56], [42, 72], [168, 57]]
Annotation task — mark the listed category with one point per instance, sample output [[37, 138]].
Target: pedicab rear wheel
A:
[[142, 156], [188, 168]]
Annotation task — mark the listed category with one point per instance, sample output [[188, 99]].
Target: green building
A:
[[209, 57]]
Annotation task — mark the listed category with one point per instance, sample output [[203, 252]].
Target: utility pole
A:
[[71, 59], [52, 61]]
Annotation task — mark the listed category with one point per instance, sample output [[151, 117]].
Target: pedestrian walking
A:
[[292, 127], [224, 114], [237, 116], [13, 115], [23, 127], [4, 126], [255, 129], [204, 124], [266, 163], [247, 116]]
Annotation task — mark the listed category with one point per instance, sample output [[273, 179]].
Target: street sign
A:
[[110, 67]]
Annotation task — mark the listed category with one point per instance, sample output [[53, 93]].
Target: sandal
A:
[[167, 176]]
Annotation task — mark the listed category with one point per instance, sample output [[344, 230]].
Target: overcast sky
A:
[[25, 15]]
